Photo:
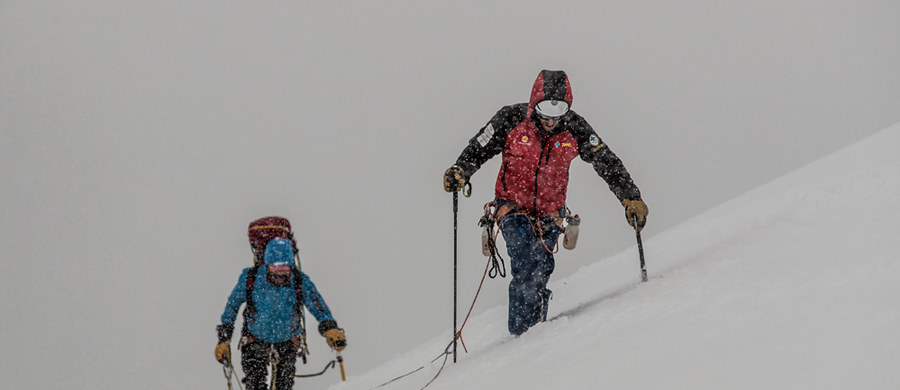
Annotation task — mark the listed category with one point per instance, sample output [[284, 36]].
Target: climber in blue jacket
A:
[[273, 319]]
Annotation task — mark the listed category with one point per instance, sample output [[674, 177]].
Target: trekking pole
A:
[[455, 214], [640, 249]]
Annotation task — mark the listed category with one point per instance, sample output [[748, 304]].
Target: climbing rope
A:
[[328, 365], [448, 350], [228, 370]]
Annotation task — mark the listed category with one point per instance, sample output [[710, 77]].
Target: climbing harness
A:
[[496, 213]]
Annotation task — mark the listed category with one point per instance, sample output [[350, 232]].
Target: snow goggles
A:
[[279, 268], [549, 118]]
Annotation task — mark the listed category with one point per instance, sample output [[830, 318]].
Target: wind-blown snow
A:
[[793, 285]]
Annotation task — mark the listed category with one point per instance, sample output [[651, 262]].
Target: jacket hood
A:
[[279, 250], [550, 84]]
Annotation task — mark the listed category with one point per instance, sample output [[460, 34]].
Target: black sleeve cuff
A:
[[326, 325], [224, 332]]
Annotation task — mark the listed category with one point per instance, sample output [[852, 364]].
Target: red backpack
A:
[[264, 229]]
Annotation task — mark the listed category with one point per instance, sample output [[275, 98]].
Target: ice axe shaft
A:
[[340, 360], [637, 234]]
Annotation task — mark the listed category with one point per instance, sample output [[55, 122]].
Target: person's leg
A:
[[286, 365], [254, 361], [524, 299], [545, 265]]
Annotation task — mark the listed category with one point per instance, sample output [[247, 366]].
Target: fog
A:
[[140, 138]]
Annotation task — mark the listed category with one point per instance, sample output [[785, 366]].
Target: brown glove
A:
[[454, 179], [223, 352], [336, 339], [636, 209]]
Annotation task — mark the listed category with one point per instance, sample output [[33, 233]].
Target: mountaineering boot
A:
[[545, 302]]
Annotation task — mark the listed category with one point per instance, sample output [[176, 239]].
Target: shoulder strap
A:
[[298, 288], [251, 281]]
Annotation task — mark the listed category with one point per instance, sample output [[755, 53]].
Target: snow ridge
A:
[[790, 286]]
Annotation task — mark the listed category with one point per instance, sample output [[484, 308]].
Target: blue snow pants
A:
[[531, 263]]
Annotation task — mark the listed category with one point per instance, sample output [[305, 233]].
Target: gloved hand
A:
[[636, 208], [223, 352], [454, 179], [223, 349], [336, 339]]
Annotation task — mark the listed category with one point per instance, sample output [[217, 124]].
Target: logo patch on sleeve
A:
[[595, 142], [486, 135]]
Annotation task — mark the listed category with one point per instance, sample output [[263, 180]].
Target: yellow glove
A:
[[223, 352], [454, 179], [636, 208], [336, 339]]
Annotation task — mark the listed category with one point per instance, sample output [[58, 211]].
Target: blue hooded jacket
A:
[[276, 318]]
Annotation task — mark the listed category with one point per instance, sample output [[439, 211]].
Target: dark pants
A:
[[255, 362], [532, 263]]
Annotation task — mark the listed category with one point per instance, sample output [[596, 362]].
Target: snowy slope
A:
[[793, 285]]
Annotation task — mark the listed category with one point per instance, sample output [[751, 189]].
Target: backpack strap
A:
[[298, 289], [251, 281]]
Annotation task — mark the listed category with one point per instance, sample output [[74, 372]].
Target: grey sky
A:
[[139, 139]]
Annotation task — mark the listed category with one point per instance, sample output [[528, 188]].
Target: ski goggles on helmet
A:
[[551, 109], [279, 268]]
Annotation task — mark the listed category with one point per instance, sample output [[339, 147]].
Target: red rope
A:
[[459, 332], [535, 225], [541, 234]]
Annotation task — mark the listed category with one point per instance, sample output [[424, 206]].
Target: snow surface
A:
[[793, 285], [139, 138]]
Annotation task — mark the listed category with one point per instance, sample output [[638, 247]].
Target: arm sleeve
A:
[[238, 296], [491, 139], [610, 168], [314, 302]]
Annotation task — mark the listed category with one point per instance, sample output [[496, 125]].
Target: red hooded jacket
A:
[[534, 174]]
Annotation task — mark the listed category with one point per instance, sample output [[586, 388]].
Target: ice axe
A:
[[341, 344]]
